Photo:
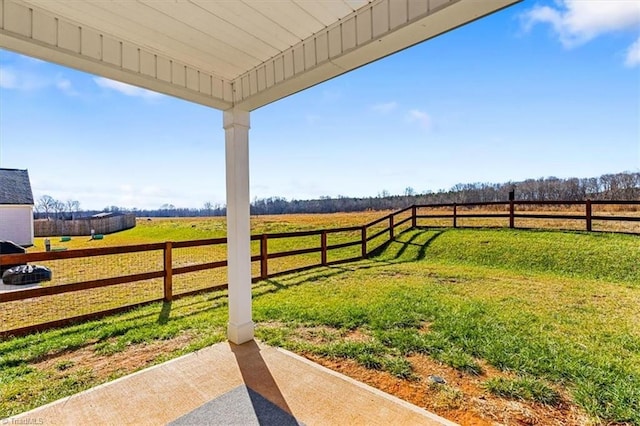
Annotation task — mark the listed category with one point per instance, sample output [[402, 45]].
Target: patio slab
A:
[[250, 384]]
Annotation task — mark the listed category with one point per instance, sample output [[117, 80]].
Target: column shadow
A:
[[258, 378]]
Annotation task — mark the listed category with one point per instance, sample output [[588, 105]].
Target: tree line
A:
[[48, 207], [618, 186]]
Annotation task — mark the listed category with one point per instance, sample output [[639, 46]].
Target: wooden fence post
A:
[[588, 214], [391, 230], [455, 215], [511, 214], [413, 216], [364, 241], [264, 268], [323, 245], [168, 272]]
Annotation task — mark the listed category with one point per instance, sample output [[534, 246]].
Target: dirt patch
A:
[[104, 367], [461, 399], [321, 334]]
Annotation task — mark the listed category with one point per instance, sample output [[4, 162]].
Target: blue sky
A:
[[540, 89]]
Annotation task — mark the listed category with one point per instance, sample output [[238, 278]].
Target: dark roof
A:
[[15, 187], [101, 215]]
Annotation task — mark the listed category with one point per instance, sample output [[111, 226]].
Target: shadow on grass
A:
[[306, 277], [322, 273], [97, 331], [423, 247], [404, 245], [168, 311], [165, 312]]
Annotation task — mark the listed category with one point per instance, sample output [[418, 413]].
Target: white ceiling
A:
[[226, 53]]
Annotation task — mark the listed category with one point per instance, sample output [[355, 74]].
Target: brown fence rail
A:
[[88, 284], [524, 212]]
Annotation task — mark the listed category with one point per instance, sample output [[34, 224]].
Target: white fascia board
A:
[[377, 30], [53, 38], [288, 87]]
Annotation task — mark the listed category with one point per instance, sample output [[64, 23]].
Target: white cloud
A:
[[7, 78], [420, 117], [95, 196], [152, 191], [578, 21], [126, 89], [633, 54], [14, 79], [20, 78], [65, 86], [385, 107]]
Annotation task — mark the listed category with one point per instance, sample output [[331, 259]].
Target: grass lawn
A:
[[153, 230], [24, 313], [548, 320]]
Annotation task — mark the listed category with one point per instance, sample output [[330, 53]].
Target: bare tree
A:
[[72, 207], [46, 205], [208, 206], [59, 208]]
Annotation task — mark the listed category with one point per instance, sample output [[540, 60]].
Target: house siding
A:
[[16, 224]]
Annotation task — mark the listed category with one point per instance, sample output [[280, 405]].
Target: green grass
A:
[[556, 310], [524, 388], [568, 254], [549, 305], [23, 385], [184, 229], [29, 312]]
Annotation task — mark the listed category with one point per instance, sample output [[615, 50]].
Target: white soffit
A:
[[226, 53]]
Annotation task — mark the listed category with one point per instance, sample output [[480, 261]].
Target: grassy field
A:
[[546, 319], [153, 230], [24, 313]]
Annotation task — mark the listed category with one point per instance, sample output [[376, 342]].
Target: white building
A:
[[16, 207]]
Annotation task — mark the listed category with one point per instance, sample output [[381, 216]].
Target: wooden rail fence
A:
[[588, 217], [368, 237]]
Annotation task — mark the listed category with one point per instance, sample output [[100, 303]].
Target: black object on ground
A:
[[437, 379], [9, 247], [26, 274]]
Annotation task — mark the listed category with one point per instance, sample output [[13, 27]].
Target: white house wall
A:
[[16, 224]]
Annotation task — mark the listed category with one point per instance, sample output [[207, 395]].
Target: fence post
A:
[[413, 216], [323, 246], [264, 268], [391, 230], [364, 241], [511, 214], [588, 215], [168, 271], [455, 215]]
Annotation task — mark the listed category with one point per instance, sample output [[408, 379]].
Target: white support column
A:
[[236, 126]]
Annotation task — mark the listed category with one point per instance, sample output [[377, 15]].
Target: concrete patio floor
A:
[[250, 384]]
